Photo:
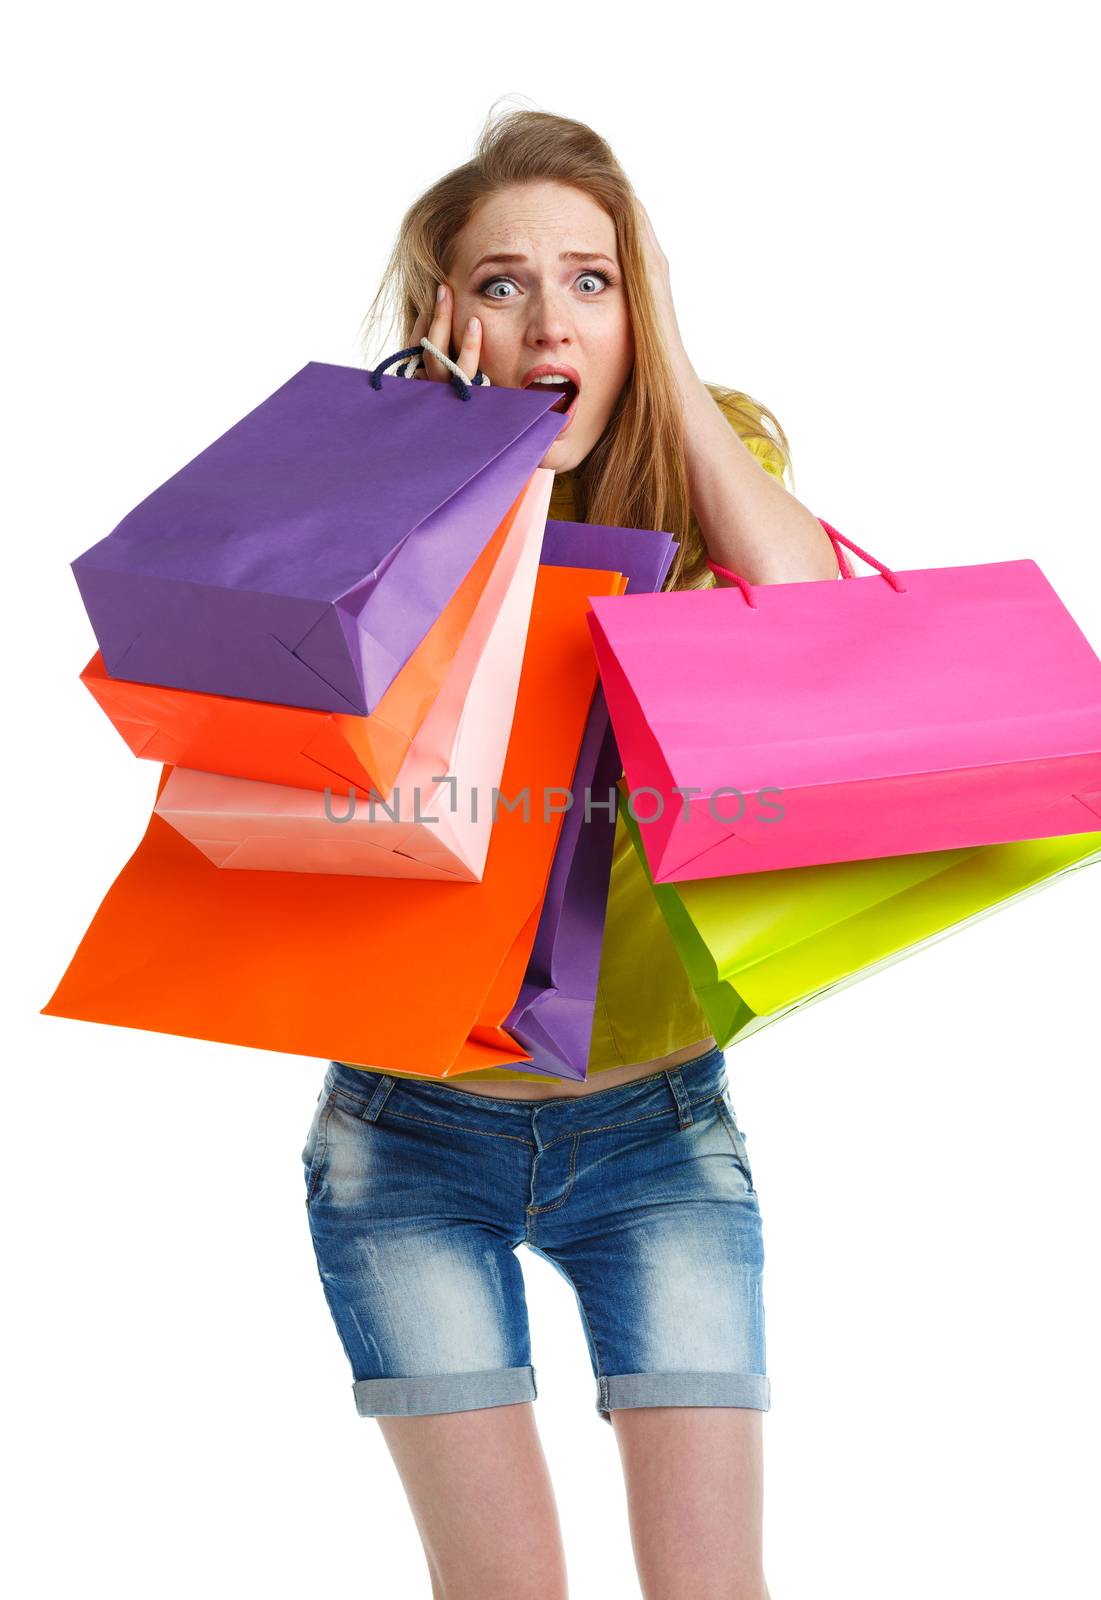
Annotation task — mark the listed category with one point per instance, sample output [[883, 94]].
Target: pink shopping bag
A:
[[791, 724]]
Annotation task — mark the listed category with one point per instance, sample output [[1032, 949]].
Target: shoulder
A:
[[756, 426]]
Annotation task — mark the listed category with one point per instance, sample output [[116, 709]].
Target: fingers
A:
[[648, 232], [439, 330], [471, 347]]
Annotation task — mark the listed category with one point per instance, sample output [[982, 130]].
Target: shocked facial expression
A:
[[537, 263]]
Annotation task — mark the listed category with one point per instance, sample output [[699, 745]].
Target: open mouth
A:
[[567, 403]]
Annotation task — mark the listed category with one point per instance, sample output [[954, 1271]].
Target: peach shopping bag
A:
[[436, 821]]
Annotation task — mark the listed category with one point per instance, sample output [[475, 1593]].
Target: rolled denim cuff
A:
[[618, 1390], [447, 1391]]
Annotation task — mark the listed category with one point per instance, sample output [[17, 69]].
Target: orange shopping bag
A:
[[385, 972], [295, 745]]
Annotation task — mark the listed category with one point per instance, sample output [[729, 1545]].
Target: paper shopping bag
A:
[[760, 945], [436, 821], [303, 556], [790, 724], [382, 972], [295, 745], [553, 1014]]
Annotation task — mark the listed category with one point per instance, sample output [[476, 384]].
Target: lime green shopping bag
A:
[[759, 945]]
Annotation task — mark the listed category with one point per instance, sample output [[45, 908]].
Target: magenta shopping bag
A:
[[302, 557], [791, 724]]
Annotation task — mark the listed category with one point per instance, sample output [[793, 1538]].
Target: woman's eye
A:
[[491, 285]]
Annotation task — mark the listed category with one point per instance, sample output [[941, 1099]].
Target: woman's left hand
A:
[[657, 267]]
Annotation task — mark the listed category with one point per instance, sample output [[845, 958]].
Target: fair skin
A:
[[477, 1481]]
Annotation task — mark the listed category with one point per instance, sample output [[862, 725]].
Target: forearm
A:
[[750, 522]]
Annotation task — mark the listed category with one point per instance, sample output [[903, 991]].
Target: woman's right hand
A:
[[436, 324]]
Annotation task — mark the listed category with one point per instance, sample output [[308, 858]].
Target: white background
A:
[[881, 223]]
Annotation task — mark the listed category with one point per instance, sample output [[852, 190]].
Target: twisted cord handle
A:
[[836, 539], [458, 380]]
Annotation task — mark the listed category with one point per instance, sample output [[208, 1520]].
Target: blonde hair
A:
[[636, 474]]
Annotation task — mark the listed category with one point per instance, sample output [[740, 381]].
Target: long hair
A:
[[636, 474]]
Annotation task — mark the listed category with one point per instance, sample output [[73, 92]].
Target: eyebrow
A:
[[567, 255]]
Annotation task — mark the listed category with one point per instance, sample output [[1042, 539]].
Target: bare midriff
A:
[[609, 1078]]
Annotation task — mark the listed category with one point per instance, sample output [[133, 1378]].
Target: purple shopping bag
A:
[[302, 557], [553, 1014]]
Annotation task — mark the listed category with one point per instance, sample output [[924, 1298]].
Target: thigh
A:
[[694, 1477], [415, 1258], [480, 1492], [661, 1237]]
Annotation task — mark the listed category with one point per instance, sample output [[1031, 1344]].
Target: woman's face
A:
[[558, 301]]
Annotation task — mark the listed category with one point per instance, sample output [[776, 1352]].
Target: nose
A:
[[550, 324]]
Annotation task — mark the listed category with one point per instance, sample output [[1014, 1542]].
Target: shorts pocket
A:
[[737, 1138], [313, 1152]]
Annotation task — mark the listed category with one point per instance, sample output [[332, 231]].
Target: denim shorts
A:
[[641, 1196]]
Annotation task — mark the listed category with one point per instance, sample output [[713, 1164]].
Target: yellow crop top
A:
[[645, 1005]]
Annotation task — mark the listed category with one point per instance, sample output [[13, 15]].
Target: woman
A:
[[636, 1183]]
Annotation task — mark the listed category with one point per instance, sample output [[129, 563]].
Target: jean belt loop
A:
[[680, 1096], [378, 1099]]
